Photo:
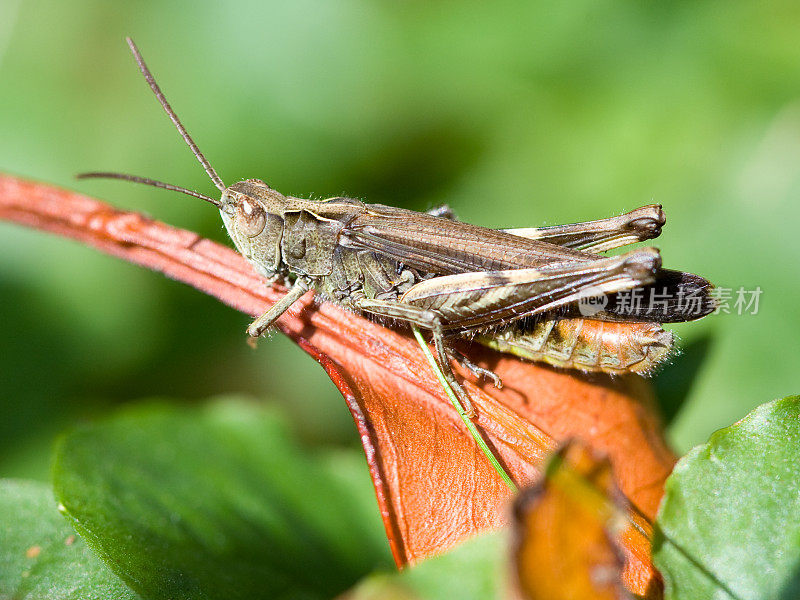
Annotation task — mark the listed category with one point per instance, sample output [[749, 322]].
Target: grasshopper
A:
[[517, 290]]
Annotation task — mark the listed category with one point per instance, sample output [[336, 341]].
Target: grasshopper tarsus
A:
[[477, 370], [468, 411]]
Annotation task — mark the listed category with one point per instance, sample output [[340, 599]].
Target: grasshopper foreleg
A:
[[262, 323]]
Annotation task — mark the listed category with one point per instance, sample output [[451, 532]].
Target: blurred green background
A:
[[515, 113]]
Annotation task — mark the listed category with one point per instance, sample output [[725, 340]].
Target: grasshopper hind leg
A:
[[443, 358], [430, 320], [477, 370]]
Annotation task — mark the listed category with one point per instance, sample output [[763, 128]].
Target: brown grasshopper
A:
[[518, 290]]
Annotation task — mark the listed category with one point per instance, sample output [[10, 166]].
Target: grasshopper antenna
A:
[[152, 182], [174, 118], [184, 134]]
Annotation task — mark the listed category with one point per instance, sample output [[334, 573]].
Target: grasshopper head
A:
[[253, 215]]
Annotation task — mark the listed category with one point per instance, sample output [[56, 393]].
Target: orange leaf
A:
[[567, 531], [434, 487]]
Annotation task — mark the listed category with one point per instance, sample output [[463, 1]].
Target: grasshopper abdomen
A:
[[586, 345]]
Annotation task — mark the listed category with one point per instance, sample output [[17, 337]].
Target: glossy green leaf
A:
[[474, 570], [218, 502], [730, 520], [41, 558]]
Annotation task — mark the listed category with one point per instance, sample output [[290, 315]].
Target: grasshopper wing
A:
[[441, 246]]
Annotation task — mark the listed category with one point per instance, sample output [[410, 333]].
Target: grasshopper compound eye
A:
[[250, 218]]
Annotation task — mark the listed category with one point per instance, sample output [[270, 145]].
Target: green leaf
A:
[[40, 555], [729, 524], [474, 570], [218, 502]]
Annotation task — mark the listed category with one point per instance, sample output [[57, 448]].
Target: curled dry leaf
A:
[[434, 487], [568, 529]]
